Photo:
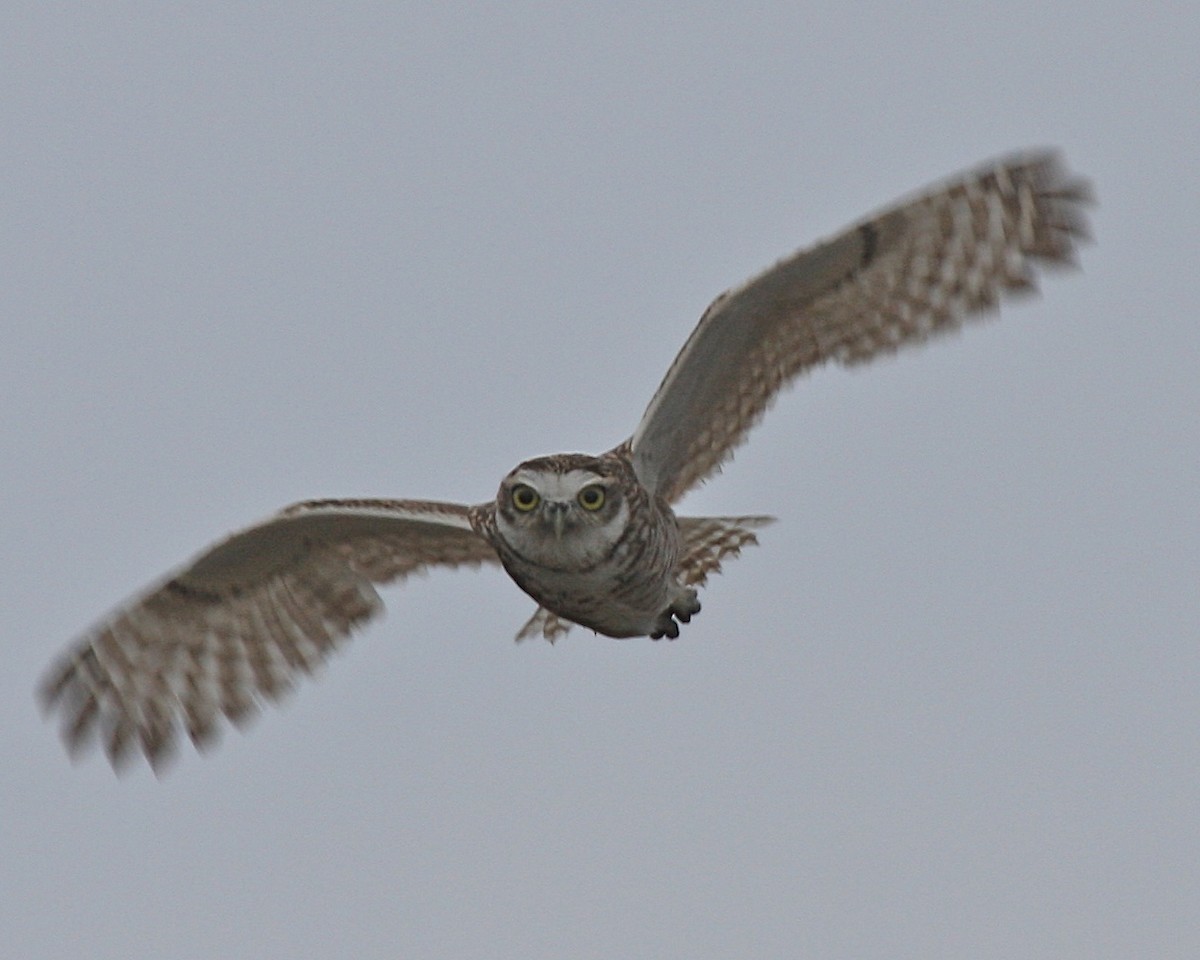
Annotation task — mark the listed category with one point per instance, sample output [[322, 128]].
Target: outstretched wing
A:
[[245, 619], [921, 268]]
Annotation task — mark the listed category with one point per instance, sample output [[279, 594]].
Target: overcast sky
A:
[[950, 707]]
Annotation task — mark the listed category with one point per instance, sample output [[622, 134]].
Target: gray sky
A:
[[949, 708]]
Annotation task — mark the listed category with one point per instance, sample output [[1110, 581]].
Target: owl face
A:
[[564, 512]]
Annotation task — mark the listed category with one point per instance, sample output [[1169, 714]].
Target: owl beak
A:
[[558, 517]]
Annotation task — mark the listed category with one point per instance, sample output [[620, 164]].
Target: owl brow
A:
[[595, 481]]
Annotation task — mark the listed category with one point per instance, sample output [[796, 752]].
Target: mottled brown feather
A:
[[245, 620], [923, 267]]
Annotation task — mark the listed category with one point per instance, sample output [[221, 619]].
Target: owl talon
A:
[[685, 607], [682, 610], [668, 628]]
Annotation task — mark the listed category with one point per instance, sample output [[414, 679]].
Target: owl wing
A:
[[709, 540], [245, 619], [921, 268]]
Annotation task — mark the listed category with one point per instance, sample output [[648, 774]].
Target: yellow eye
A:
[[525, 498], [591, 498]]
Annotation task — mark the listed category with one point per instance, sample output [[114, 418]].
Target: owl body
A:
[[590, 544], [593, 539]]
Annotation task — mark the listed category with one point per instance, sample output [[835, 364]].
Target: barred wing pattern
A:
[[709, 540], [245, 620], [921, 268], [706, 542]]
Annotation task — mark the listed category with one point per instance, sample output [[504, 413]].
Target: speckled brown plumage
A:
[[923, 267]]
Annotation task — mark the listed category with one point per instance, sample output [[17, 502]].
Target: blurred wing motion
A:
[[245, 619], [921, 268]]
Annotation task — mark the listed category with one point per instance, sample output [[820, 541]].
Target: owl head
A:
[[563, 511]]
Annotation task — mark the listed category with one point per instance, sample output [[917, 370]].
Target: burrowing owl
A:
[[592, 539]]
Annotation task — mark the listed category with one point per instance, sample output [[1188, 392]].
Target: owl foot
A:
[[681, 610]]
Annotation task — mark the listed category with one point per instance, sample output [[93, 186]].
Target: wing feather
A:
[[709, 540], [921, 268], [238, 626]]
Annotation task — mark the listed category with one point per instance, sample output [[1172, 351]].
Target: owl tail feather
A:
[[544, 624]]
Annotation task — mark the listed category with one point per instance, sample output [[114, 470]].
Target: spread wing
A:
[[245, 619], [921, 268]]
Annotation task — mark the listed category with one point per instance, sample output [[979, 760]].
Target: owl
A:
[[594, 540]]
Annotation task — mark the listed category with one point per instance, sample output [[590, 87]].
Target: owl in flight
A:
[[592, 539]]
